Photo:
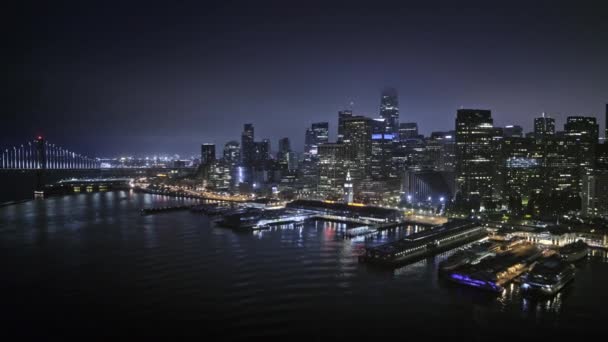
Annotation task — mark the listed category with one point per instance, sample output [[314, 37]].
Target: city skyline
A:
[[142, 84]]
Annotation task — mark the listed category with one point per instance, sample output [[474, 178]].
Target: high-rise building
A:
[[440, 149], [381, 162], [521, 170], [262, 151], [584, 128], [544, 127], [248, 145], [389, 110], [595, 194], [348, 188], [207, 154], [343, 114], [309, 143], [321, 132], [284, 148], [475, 154], [292, 161], [232, 152], [513, 131], [333, 161], [408, 130], [357, 138]]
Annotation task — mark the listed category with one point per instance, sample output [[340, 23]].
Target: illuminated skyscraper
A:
[[207, 154], [474, 154], [321, 132], [232, 152], [544, 127], [357, 138], [247, 145], [389, 110], [381, 161], [343, 114], [333, 163]]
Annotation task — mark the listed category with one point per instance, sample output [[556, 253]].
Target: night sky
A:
[[110, 78]]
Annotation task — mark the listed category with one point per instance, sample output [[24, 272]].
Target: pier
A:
[[158, 210], [423, 244]]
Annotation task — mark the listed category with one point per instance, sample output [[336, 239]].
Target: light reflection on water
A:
[[180, 263]]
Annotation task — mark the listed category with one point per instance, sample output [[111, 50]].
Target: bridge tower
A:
[[40, 166]]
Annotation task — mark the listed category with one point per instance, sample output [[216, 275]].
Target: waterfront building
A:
[[348, 188]]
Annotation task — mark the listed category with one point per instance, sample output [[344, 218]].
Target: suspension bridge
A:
[[40, 154]]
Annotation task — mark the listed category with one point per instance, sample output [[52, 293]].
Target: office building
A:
[[475, 155], [389, 110], [408, 130], [343, 114], [544, 127]]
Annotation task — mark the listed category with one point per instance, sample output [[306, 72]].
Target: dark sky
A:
[[106, 78]]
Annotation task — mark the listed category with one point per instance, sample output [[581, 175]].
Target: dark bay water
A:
[[91, 259]]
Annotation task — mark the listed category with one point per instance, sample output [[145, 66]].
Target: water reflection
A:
[[181, 263]]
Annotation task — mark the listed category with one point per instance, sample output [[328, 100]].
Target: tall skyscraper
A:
[[232, 152], [247, 145], [544, 127], [321, 132], [316, 135], [357, 138], [584, 128], [284, 148], [389, 110], [343, 114], [408, 130], [332, 170], [262, 151], [381, 158], [581, 135], [474, 154], [207, 154]]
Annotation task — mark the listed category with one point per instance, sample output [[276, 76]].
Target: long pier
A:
[[426, 243]]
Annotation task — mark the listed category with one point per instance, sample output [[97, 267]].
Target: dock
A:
[[423, 244], [158, 210], [494, 273]]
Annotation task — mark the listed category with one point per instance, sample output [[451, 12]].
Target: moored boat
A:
[[574, 251], [548, 276]]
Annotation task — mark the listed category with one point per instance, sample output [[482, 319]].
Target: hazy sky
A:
[[107, 78]]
